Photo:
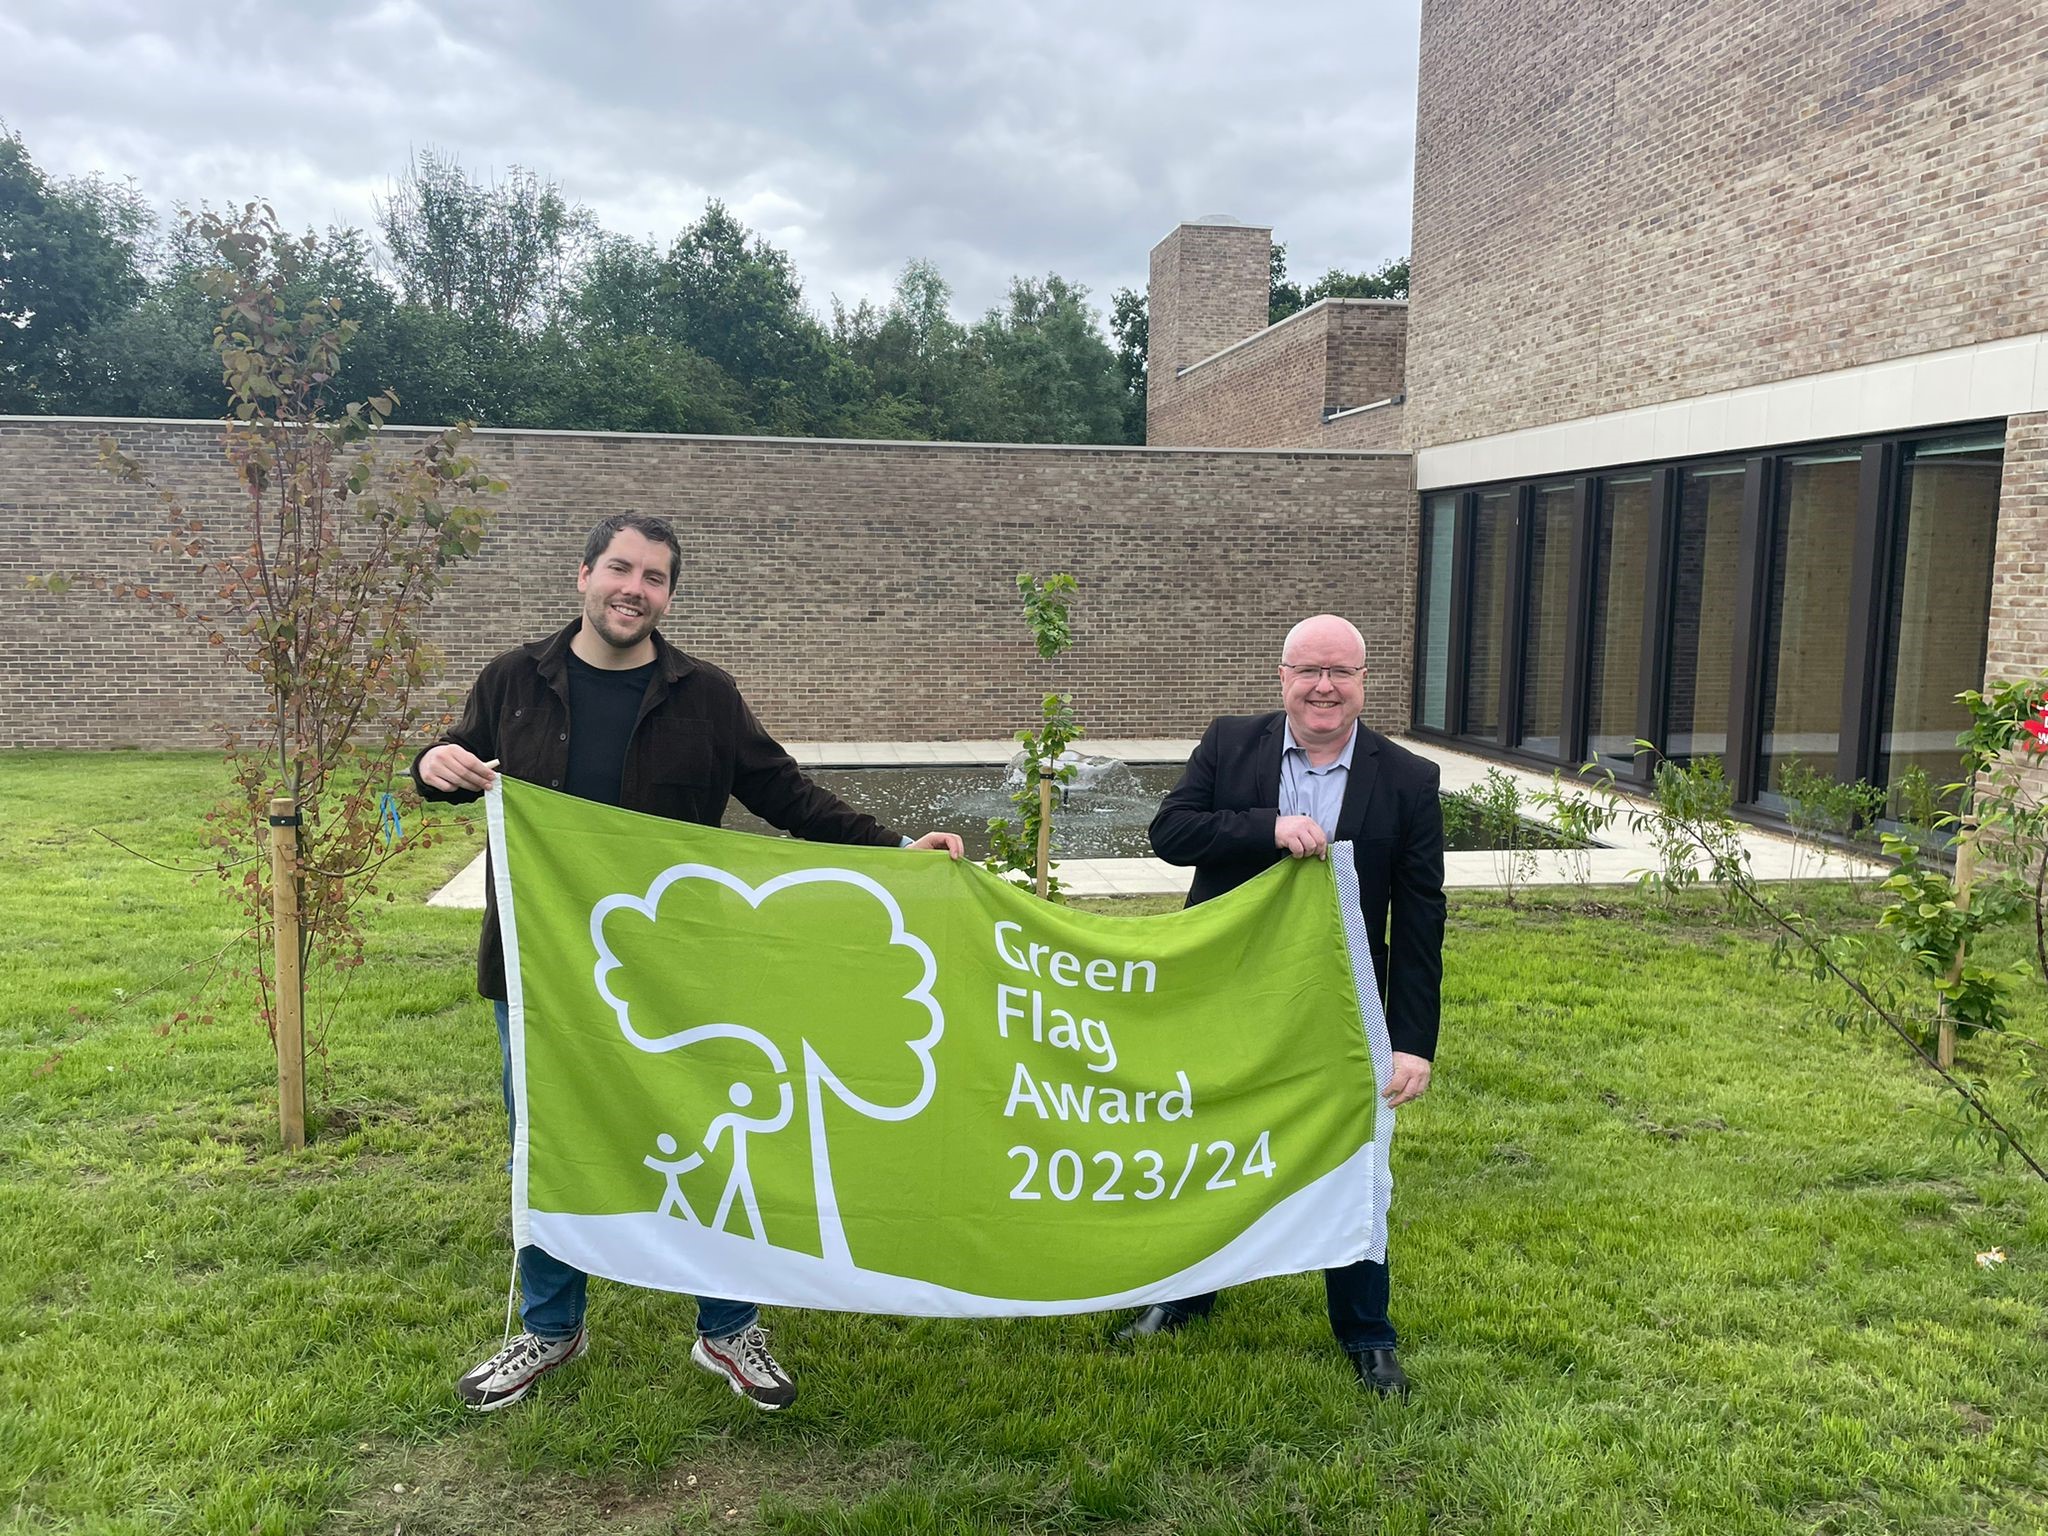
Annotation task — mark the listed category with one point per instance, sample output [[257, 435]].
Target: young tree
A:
[[1916, 972], [316, 589], [1026, 851]]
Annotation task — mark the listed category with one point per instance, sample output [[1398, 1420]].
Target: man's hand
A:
[[1301, 836], [1409, 1080], [449, 766], [950, 841]]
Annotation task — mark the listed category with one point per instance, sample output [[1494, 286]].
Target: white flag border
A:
[[1379, 1174], [508, 933], [637, 1248], [1275, 1244]]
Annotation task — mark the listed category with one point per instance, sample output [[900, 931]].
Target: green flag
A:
[[814, 1075]]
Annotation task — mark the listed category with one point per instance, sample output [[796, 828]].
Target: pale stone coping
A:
[[889, 754], [1355, 410], [1956, 386], [1624, 857], [1284, 321], [887, 444], [1198, 224]]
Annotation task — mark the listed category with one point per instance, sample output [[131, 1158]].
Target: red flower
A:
[[2035, 732]]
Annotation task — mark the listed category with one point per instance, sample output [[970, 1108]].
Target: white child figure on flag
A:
[[673, 1202]]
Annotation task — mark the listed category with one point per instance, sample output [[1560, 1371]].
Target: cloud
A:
[[859, 134]]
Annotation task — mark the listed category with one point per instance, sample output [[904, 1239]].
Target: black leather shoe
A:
[[1150, 1321], [1379, 1370]]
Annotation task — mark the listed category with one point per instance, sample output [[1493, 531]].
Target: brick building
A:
[[1718, 417], [1725, 374], [858, 590], [1328, 376]]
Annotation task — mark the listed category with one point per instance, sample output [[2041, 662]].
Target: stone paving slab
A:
[[925, 754], [1773, 856]]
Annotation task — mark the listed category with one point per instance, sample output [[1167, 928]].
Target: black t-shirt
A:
[[603, 708]]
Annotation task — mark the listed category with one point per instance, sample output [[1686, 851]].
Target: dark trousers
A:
[[1357, 1295]]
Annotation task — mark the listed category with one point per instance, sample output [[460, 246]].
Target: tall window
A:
[[1940, 604], [1657, 565], [1493, 520], [1806, 617], [1705, 559], [1433, 667], [1547, 618], [1621, 551]]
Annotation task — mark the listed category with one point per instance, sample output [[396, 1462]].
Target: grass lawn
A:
[[1668, 1255]]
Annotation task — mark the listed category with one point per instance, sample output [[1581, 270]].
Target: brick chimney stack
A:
[[1209, 287]]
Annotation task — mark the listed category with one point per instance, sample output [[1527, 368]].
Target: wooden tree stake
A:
[[290, 1012], [1966, 875], [1044, 830]]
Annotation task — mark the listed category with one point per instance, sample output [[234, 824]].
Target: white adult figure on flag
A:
[[740, 1182]]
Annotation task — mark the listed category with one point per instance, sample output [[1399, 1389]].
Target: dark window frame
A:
[[1884, 457], [1420, 646]]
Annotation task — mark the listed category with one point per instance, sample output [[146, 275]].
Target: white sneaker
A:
[[743, 1360], [510, 1374]]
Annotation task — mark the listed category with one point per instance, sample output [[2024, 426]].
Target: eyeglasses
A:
[[1330, 674]]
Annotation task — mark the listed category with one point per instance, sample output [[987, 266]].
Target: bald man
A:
[[1262, 788]]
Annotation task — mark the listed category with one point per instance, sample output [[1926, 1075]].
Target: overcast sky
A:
[[993, 139]]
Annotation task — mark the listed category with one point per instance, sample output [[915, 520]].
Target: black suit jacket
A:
[[1220, 817]]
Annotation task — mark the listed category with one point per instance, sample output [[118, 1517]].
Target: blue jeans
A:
[[1357, 1296], [551, 1292]]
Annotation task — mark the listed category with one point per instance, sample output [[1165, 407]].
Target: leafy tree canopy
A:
[[69, 260], [1388, 281], [1058, 379], [501, 301], [503, 249]]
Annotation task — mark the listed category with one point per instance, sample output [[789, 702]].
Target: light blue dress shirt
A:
[[1317, 793]]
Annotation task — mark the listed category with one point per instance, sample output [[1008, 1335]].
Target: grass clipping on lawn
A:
[[1669, 1254]]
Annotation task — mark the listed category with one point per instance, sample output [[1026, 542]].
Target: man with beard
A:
[[607, 709]]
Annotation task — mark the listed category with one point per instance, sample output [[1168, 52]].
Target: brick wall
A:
[[1265, 393], [1368, 351], [2017, 645], [857, 590], [1711, 196], [1275, 388], [1382, 428]]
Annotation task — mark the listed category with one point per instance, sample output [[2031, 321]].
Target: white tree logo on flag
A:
[[819, 1079]]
